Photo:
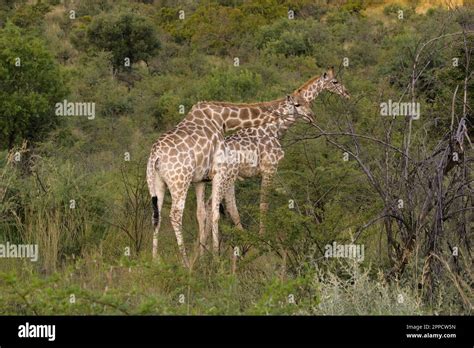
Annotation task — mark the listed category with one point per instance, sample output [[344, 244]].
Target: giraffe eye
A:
[[296, 104], [334, 82]]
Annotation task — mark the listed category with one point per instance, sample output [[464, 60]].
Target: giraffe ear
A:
[[289, 98]]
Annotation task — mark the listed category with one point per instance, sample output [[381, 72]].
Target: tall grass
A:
[[82, 258]]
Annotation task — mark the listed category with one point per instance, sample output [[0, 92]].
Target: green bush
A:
[[32, 83], [29, 16], [235, 84], [125, 35], [394, 10]]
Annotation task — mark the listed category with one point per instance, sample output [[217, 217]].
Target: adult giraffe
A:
[[187, 153], [264, 142]]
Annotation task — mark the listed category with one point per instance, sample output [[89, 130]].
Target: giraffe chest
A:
[[271, 153]]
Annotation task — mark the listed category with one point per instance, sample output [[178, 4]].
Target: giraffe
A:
[[186, 154], [249, 152], [227, 161], [264, 143]]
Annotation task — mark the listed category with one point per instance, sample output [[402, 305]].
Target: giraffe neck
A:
[[279, 127], [285, 125], [311, 89], [235, 116]]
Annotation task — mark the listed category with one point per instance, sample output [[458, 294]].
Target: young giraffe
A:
[[263, 144], [186, 154], [227, 161]]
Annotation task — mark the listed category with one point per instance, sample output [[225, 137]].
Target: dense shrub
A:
[[321, 194], [125, 35], [32, 83]]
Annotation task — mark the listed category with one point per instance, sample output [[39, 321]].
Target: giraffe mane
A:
[[307, 83], [256, 104]]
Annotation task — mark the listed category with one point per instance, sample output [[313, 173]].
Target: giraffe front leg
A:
[[201, 215], [231, 206], [217, 182], [207, 227], [264, 193]]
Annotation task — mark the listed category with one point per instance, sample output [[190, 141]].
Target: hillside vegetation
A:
[[75, 185]]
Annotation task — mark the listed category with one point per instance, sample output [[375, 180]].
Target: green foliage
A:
[[92, 7], [232, 84], [178, 62], [394, 11], [30, 15], [214, 29], [287, 297], [29, 91], [307, 8], [354, 6], [48, 218], [142, 288], [347, 288], [125, 35], [291, 37], [219, 29]]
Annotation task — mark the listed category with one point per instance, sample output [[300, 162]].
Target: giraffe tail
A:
[[151, 178], [156, 212]]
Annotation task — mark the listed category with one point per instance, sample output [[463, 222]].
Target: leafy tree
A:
[[126, 35], [28, 16], [31, 86]]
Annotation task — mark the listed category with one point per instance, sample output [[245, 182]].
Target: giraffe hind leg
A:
[[157, 204], [178, 199]]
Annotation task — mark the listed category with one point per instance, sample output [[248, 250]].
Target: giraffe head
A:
[[297, 106], [331, 84]]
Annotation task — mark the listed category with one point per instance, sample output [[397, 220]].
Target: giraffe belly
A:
[[249, 172], [250, 168], [246, 156]]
